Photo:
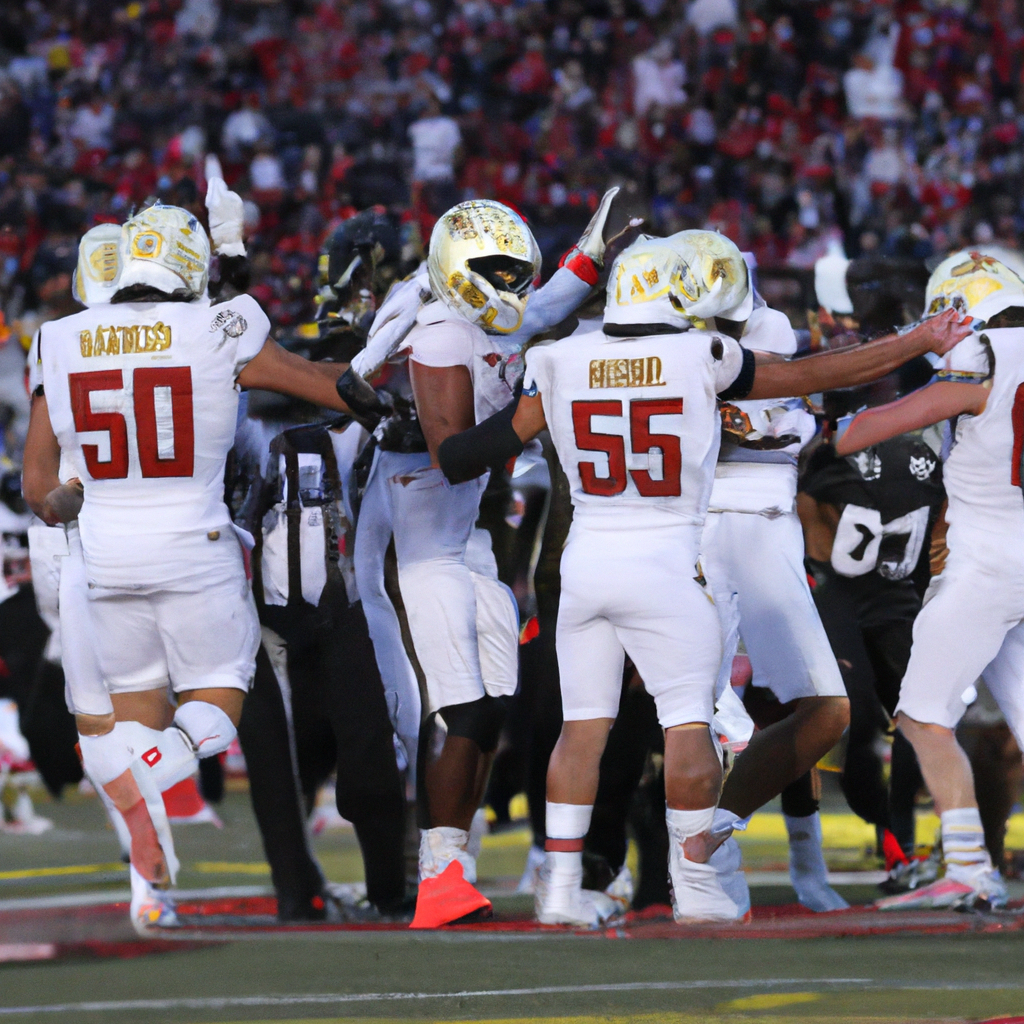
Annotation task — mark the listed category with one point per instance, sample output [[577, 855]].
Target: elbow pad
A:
[[470, 454]]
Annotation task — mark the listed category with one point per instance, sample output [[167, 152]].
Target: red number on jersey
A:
[[178, 380], [1017, 417], [611, 444], [145, 381], [82, 385], [642, 440], [641, 443]]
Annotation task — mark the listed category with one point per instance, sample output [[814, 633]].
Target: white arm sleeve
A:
[[551, 303]]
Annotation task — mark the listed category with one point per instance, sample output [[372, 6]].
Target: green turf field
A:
[[497, 976]]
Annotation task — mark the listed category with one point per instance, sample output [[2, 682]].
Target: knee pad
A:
[[207, 727], [478, 720]]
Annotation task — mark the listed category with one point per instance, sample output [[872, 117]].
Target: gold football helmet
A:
[[973, 283], [715, 280], [99, 265], [167, 248], [481, 263], [644, 284]]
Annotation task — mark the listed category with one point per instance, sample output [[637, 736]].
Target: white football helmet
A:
[[716, 279], [481, 263], [167, 248], [99, 265], [644, 285], [973, 283]]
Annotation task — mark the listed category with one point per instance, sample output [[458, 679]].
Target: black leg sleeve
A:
[[798, 799], [275, 792]]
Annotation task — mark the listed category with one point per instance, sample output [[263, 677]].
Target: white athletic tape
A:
[[157, 813]]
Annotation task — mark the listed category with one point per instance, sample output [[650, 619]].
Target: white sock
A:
[[688, 823], [566, 826], [963, 840], [807, 869], [206, 725]]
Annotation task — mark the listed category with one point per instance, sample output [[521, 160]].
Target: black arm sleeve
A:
[[741, 386], [467, 455]]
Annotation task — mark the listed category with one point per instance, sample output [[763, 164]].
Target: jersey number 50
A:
[[156, 456], [642, 441]]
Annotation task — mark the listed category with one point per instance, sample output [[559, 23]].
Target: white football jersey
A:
[[441, 337], [635, 420], [983, 474], [756, 469], [142, 397]]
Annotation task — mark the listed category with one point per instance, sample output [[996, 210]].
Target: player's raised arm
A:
[[501, 437], [276, 369], [932, 404], [852, 367]]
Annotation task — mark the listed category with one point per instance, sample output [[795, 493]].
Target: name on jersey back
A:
[[644, 372], [115, 341]]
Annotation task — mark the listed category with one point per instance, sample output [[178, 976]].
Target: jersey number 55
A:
[[642, 442]]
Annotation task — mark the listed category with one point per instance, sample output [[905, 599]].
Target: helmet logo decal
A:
[[146, 245]]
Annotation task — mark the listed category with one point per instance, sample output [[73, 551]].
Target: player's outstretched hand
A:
[[227, 218], [592, 241], [63, 503], [944, 331]]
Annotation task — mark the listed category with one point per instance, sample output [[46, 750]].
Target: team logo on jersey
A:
[[126, 341], [626, 373], [233, 324], [921, 467], [868, 463]]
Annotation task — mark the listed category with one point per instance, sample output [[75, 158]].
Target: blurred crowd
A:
[[893, 126]]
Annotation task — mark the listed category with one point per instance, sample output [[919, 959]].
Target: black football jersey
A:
[[889, 497]]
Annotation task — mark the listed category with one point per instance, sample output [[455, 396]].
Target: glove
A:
[[367, 407], [586, 257], [227, 217], [393, 322]]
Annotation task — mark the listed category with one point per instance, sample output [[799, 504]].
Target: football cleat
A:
[[583, 908], [534, 862], [622, 889], [151, 909], [446, 898], [910, 875], [984, 890]]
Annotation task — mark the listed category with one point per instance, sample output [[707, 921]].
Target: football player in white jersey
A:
[[94, 283], [632, 412], [141, 395], [972, 623], [459, 363], [766, 599]]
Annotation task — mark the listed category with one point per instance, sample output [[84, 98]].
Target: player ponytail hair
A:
[[147, 293]]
